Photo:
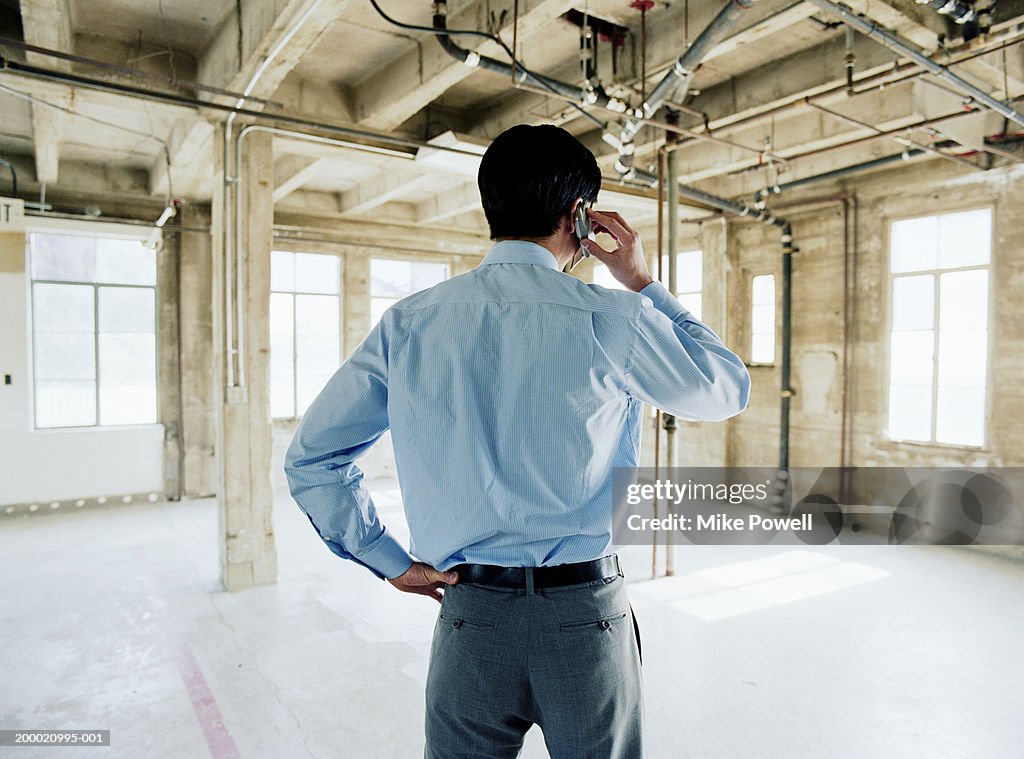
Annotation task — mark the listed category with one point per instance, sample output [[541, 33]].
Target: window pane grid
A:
[[305, 328], [93, 330], [939, 330], [394, 279], [762, 319]]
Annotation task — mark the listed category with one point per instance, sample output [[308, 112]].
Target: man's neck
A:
[[548, 243]]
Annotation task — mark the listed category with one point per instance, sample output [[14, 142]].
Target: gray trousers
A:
[[566, 659]]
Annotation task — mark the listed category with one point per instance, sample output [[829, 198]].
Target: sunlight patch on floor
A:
[[742, 587]]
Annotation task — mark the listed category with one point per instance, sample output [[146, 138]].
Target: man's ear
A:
[[571, 227]]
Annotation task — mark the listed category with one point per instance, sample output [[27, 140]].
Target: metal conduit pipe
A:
[[875, 163], [722, 204], [894, 42], [669, 420], [901, 73], [785, 391], [788, 249], [677, 77], [235, 343], [516, 72]]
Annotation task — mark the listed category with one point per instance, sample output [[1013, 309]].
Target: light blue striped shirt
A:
[[511, 392]]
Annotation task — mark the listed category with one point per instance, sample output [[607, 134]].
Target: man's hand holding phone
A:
[[626, 261]]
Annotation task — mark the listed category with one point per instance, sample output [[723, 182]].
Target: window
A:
[[305, 329], [762, 319], [93, 330], [603, 277], [688, 278], [938, 352], [391, 280]]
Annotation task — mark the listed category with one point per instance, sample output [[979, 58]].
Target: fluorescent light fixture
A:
[[466, 162]]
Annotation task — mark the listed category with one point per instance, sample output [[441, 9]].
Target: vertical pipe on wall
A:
[[849, 319], [672, 243], [657, 413], [785, 391]]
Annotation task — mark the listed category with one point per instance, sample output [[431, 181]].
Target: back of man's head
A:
[[529, 178]]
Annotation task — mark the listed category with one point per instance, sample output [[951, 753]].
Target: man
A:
[[512, 392]]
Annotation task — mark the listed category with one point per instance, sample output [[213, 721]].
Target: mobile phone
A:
[[583, 225]]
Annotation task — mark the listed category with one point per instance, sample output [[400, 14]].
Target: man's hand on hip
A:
[[424, 579], [626, 261]]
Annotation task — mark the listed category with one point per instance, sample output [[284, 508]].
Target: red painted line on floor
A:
[[218, 739]]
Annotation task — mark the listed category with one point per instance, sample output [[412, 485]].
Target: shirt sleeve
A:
[[344, 421], [679, 365]]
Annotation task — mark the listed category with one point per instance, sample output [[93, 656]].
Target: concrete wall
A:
[[932, 187], [39, 466]]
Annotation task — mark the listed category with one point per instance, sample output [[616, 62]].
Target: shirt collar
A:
[[520, 252]]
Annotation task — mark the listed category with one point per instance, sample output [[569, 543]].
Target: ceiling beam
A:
[[257, 45], [397, 92], [291, 172], [380, 189], [47, 23], [448, 204], [190, 168], [254, 49]]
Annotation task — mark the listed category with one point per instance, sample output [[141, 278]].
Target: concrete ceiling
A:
[[182, 25], [346, 65]]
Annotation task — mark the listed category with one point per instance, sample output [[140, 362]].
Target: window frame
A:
[[886, 377], [96, 230], [340, 295], [775, 319], [398, 257]]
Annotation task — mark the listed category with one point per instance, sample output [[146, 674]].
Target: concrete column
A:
[[169, 368], [244, 442], [357, 298], [199, 397]]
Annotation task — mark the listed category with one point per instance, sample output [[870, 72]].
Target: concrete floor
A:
[[111, 619]]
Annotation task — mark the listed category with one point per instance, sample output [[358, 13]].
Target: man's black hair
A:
[[529, 178]]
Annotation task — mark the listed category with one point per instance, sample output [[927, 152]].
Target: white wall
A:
[[53, 465]]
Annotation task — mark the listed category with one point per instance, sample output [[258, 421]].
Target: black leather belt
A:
[[543, 577]]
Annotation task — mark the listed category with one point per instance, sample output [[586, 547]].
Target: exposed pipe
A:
[[761, 195], [897, 131], [677, 77], [515, 70], [880, 80], [133, 73], [595, 99], [232, 247], [850, 60], [957, 10], [14, 176], [671, 427], [902, 140], [849, 301], [893, 42], [785, 390], [658, 413]]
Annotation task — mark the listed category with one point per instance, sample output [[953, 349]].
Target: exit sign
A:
[[12, 215]]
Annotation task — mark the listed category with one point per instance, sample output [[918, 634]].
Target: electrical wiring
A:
[[516, 64]]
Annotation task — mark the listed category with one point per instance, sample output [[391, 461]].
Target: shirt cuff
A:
[[386, 557], [666, 302]]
